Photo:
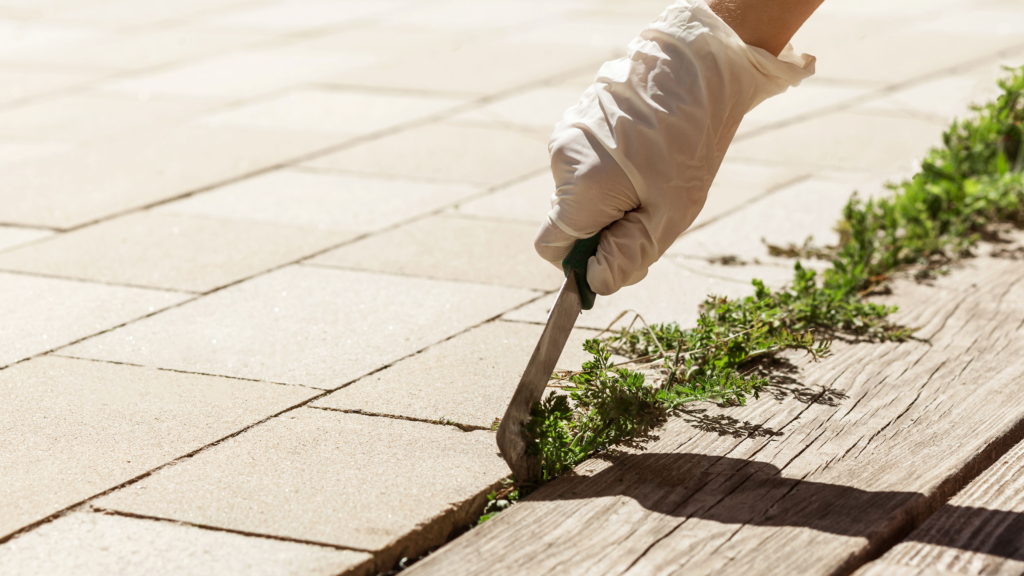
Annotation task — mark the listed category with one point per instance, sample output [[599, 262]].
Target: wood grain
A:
[[980, 531], [840, 462]]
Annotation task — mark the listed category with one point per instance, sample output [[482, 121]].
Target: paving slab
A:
[[140, 49], [323, 200], [479, 68], [94, 115], [170, 251], [672, 292], [123, 13], [21, 37], [944, 99], [496, 16], [467, 380], [41, 314], [105, 544], [305, 325], [72, 429], [403, 39], [17, 150], [537, 110], [334, 110], [738, 184], [844, 140], [20, 83], [451, 248], [377, 484], [11, 236], [301, 16], [528, 201], [809, 99], [97, 181], [590, 25], [810, 208], [442, 152], [885, 53], [241, 74]]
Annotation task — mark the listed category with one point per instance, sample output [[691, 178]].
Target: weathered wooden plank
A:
[[980, 531], [850, 455]]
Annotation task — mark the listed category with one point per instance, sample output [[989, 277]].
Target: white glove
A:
[[641, 148]]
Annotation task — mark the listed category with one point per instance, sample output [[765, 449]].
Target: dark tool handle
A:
[[576, 261]]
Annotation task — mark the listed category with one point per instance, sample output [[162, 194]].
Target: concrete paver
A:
[[241, 74], [92, 543], [480, 68], [19, 150], [326, 476], [72, 429], [810, 98], [125, 13], [41, 314], [21, 83], [171, 251], [537, 110], [528, 200], [441, 152], [337, 111], [403, 39], [105, 184], [138, 49], [302, 16], [738, 184], [304, 325], [809, 208], [11, 236], [453, 248], [94, 115], [898, 49], [323, 200], [946, 98], [845, 140], [467, 380]]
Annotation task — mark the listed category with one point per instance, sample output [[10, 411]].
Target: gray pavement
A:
[[266, 267]]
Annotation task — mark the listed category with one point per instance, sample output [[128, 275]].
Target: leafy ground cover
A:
[[969, 188]]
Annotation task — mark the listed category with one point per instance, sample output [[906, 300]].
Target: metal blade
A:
[[512, 436]]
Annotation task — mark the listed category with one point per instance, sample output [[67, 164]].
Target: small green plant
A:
[[604, 406], [966, 190], [499, 500]]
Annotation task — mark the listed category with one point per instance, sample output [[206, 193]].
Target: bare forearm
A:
[[767, 24]]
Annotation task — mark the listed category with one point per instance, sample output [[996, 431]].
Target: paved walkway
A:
[[266, 268]]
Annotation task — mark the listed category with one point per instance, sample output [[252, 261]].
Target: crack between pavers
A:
[[152, 471], [91, 280], [186, 372], [768, 192], [350, 142], [452, 423], [304, 403], [882, 92], [326, 266], [126, 514]]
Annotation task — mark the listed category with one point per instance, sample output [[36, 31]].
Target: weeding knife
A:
[[574, 297]]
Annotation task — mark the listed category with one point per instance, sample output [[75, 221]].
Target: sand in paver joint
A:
[[241, 332]]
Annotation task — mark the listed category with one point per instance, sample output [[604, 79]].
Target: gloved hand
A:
[[641, 148]]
